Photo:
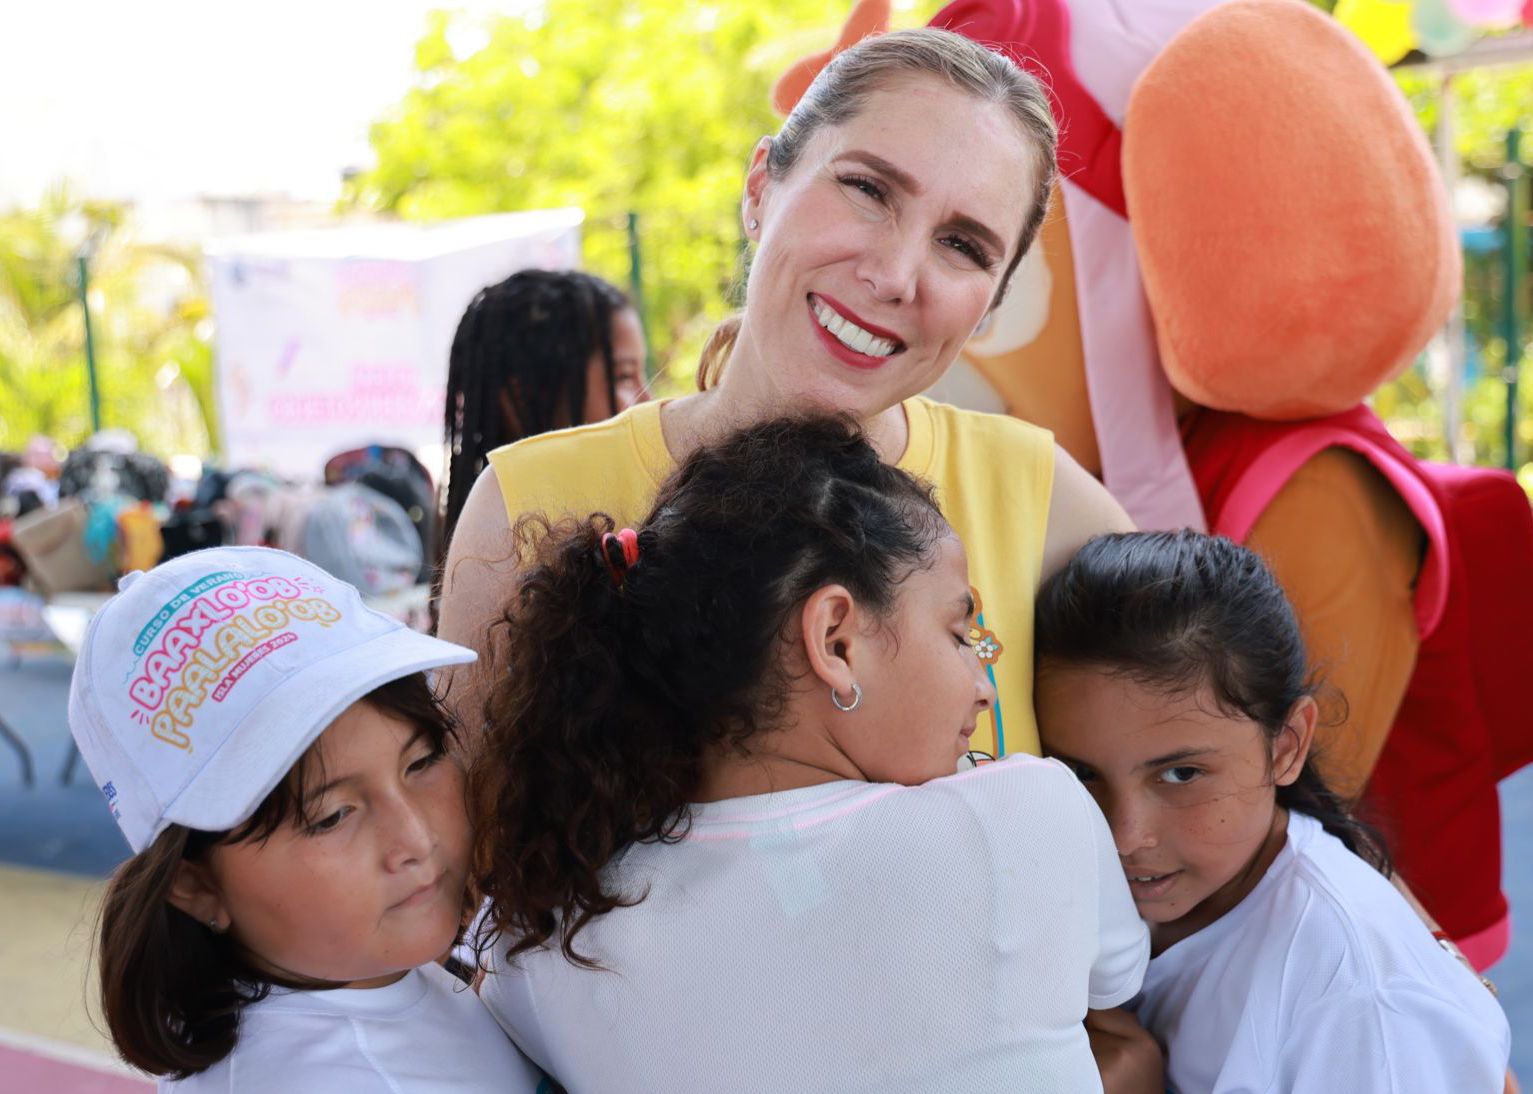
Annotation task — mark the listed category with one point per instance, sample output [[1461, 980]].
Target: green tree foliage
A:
[[654, 106], [644, 105], [148, 306], [1488, 103], [611, 105]]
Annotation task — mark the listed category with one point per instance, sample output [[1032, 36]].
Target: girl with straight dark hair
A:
[[1173, 680]]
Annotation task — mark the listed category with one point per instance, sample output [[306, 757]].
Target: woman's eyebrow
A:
[[907, 182], [965, 223], [897, 175]]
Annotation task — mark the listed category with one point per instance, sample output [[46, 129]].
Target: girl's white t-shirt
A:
[[1322, 980], [847, 937], [426, 1034]]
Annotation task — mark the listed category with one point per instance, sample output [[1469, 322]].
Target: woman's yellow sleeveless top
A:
[[993, 476]]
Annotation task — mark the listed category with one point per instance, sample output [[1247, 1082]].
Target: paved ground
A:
[[57, 842]]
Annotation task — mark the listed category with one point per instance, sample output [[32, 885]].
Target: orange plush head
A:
[[868, 17], [1294, 238]]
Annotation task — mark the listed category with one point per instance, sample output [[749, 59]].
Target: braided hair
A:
[[518, 368]]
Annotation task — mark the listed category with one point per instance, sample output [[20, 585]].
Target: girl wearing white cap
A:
[[275, 757]]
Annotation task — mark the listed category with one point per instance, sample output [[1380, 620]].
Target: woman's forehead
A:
[[969, 154], [919, 106]]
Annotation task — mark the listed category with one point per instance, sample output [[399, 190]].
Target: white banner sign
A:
[[333, 339]]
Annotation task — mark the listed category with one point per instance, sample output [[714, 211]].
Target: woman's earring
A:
[[754, 224], [847, 708]]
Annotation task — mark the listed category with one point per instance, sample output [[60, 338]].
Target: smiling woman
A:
[[887, 217], [885, 134]]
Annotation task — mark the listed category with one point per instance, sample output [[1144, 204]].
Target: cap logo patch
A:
[[213, 633]]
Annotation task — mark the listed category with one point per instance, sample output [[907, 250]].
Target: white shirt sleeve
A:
[[1118, 971], [506, 993], [1402, 1040]]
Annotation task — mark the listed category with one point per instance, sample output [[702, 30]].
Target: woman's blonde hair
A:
[[841, 89]]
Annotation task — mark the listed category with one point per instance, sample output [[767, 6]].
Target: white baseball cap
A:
[[202, 682]]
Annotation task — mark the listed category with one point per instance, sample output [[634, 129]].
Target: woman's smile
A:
[[850, 339]]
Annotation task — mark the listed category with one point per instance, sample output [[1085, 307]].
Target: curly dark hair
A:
[[618, 682], [1177, 610], [518, 368]]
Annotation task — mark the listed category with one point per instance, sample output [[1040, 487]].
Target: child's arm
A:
[[1127, 1056]]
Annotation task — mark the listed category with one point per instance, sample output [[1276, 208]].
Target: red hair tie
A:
[[620, 551]]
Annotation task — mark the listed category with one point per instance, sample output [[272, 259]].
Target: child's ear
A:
[[1291, 748], [830, 631], [195, 892]]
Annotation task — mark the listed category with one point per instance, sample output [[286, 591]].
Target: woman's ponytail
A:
[[716, 351]]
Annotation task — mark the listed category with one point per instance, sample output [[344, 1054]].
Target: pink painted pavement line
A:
[[27, 1071]]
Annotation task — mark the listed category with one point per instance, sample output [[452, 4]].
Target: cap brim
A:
[[250, 764]]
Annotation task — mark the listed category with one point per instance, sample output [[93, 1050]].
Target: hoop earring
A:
[[847, 708]]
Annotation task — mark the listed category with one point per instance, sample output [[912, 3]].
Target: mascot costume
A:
[[1248, 237]]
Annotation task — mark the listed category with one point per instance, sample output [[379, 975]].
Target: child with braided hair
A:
[[541, 350]]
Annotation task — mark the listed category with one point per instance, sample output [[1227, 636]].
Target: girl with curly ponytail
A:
[[719, 827]]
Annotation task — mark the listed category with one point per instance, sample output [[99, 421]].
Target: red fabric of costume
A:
[[1465, 722]]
